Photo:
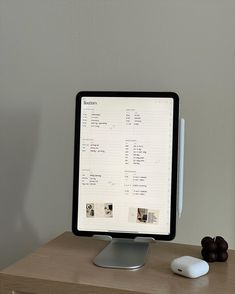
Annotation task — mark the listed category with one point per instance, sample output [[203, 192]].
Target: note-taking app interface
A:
[[125, 164]]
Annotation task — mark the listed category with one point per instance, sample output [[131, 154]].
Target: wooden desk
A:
[[64, 265]]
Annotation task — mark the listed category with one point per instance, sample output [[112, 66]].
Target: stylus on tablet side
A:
[[181, 168]]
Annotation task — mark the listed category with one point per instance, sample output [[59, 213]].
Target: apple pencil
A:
[[181, 167]]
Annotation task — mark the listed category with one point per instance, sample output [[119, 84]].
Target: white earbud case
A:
[[189, 266]]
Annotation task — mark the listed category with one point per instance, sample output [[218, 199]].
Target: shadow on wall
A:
[[19, 127]]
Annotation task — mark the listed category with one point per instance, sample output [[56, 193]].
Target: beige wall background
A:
[[51, 49]]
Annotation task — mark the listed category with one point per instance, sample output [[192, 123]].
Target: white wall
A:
[[51, 49]]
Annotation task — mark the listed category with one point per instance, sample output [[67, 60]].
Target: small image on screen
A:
[[125, 164]]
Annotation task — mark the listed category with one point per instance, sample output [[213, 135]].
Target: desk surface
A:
[[64, 265]]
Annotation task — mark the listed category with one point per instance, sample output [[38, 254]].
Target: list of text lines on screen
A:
[[125, 164]]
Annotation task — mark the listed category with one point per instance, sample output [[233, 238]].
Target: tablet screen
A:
[[125, 164]]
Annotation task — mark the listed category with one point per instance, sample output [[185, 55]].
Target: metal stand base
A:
[[123, 254]]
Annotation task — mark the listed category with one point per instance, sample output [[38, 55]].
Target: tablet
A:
[[125, 164]]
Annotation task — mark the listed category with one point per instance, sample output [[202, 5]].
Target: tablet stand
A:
[[124, 253]]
